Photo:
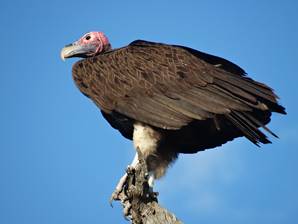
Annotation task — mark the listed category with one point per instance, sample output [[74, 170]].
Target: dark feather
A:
[[196, 100]]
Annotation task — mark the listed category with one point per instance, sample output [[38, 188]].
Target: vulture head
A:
[[90, 44]]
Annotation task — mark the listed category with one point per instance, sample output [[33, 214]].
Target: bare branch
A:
[[140, 205]]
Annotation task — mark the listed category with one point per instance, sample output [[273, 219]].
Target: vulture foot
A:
[[121, 187]]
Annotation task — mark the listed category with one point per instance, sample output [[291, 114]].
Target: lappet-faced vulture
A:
[[170, 99]]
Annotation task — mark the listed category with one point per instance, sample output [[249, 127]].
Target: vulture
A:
[[170, 99]]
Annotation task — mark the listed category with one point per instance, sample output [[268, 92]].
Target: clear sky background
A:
[[60, 160]]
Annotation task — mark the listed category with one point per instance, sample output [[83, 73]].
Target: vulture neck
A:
[[107, 48]]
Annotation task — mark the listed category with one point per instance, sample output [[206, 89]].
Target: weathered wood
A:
[[140, 204]]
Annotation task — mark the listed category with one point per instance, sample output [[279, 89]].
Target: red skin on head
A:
[[96, 38]]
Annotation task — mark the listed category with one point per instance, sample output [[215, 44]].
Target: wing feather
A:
[[170, 87]]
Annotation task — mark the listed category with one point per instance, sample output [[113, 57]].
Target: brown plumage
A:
[[194, 101]]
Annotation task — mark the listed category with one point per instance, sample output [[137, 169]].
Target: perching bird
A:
[[170, 99]]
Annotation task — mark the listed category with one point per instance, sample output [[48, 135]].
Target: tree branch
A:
[[140, 204]]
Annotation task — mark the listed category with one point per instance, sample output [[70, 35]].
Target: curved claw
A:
[[118, 190], [126, 211], [114, 197]]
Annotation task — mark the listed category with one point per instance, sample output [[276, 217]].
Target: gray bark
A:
[[140, 205]]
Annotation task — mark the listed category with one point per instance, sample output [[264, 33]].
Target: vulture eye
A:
[[88, 37]]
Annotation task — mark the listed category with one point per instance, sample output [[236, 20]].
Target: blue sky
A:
[[60, 160]]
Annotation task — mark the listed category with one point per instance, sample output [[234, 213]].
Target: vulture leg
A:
[[123, 179], [147, 142], [151, 179]]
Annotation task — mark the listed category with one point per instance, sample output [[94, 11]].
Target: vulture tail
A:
[[259, 124], [248, 128]]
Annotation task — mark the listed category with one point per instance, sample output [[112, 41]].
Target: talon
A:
[[126, 210], [155, 194], [146, 176], [114, 197], [121, 185], [130, 170], [118, 190]]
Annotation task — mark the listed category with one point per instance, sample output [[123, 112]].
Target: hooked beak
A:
[[76, 50]]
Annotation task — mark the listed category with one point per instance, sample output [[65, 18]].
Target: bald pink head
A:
[[97, 39], [90, 44]]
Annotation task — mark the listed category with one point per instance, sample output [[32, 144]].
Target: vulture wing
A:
[[170, 87]]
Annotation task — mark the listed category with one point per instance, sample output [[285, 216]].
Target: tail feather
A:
[[259, 124], [248, 128]]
